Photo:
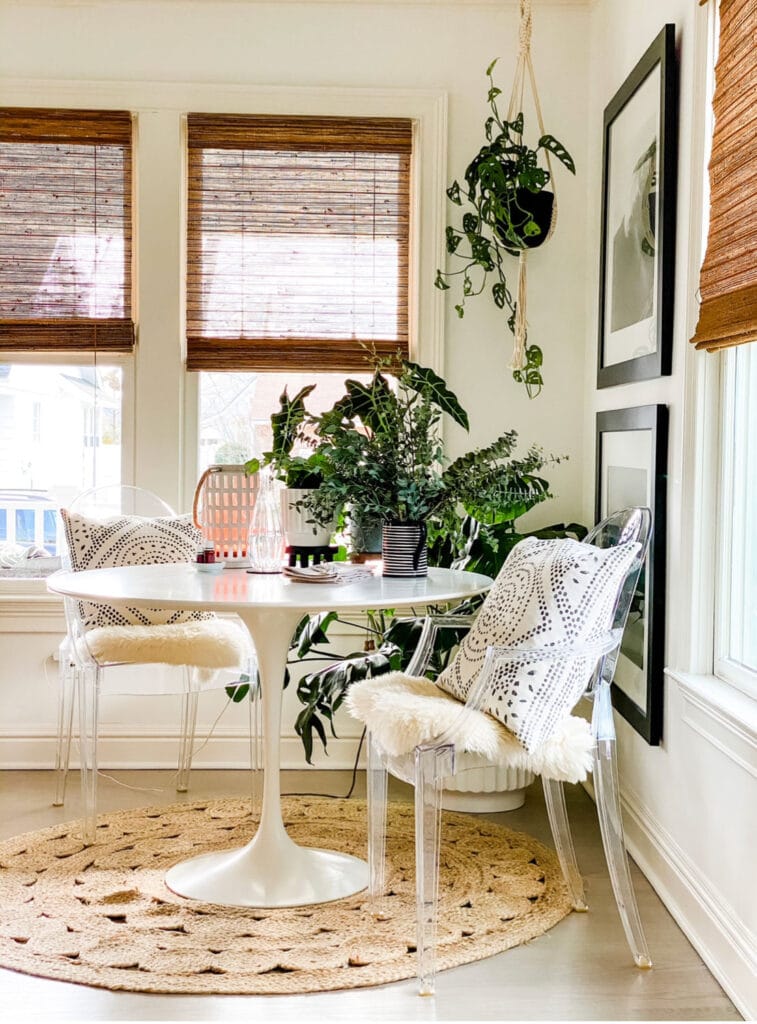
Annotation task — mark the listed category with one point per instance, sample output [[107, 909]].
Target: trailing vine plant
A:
[[510, 212]]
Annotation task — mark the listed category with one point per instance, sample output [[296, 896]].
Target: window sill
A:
[[722, 714], [26, 604]]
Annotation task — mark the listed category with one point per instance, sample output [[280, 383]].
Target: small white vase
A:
[[298, 531]]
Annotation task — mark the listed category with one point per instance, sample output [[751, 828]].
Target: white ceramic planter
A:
[[298, 531], [479, 787]]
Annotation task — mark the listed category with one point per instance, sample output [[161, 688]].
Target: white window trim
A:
[[161, 422], [695, 665], [31, 594], [730, 577]]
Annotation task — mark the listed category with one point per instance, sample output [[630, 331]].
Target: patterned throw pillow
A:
[[548, 593], [129, 540]]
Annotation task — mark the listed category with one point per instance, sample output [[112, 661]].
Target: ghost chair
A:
[[548, 633], [170, 651]]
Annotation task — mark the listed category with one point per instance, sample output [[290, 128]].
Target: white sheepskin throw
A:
[[213, 643], [403, 711]]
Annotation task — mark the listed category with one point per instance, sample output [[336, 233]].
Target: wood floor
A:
[[580, 970]]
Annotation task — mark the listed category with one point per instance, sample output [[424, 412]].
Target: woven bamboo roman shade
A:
[[65, 230], [728, 280], [297, 241]]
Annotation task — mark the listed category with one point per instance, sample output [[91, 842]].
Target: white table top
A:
[[182, 586]]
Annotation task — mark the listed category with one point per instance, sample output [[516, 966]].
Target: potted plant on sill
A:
[[511, 211], [382, 448], [299, 474]]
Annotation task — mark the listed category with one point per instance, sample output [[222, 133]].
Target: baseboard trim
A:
[[714, 929], [228, 750]]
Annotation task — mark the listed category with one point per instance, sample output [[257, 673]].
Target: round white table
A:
[[272, 870]]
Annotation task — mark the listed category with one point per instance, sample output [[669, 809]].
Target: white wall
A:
[[691, 813], [236, 56]]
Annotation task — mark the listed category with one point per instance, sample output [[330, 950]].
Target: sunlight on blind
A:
[[65, 230], [62, 231], [297, 252]]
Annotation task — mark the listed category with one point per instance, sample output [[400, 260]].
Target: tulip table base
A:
[[272, 870], [269, 874]]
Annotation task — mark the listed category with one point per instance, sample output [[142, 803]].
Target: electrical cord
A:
[[348, 794]]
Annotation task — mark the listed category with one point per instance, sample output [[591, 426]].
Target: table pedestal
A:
[[259, 876], [272, 870]]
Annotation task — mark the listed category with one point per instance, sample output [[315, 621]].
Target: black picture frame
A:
[[631, 469], [637, 249]]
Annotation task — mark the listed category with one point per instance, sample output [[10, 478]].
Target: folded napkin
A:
[[326, 572]]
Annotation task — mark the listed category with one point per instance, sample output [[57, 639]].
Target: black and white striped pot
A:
[[403, 548]]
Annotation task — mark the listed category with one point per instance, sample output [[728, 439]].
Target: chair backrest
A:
[[114, 500], [126, 526], [119, 499], [631, 525]]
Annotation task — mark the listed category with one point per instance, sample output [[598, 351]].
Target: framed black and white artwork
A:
[[632, 446], [636, 277]]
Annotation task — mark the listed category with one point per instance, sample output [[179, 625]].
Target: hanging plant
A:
[[511, 211]]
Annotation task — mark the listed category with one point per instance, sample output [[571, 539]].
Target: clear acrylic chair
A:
[[431, 763], [81, 670]]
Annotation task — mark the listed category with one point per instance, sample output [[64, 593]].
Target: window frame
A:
[[160, 181], [714, 700], [29, 588], [729, 582], [428, 175]]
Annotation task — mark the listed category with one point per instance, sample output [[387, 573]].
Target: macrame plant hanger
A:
[[524, 64]]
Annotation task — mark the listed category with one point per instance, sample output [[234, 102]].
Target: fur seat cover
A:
[[204, 643], [403, 711]]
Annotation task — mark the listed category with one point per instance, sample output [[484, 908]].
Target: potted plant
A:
[[382, 448], [299, 473], [510, 211]]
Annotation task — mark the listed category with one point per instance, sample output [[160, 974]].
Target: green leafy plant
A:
[[510, 209], [382, 446], [288, 425]]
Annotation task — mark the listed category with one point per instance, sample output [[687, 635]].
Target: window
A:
[[60, 432], [736, 639], [298, 234], [728, 322], [235, 410], [65, 292]]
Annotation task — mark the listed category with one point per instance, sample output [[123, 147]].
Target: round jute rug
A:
[[102, 915]]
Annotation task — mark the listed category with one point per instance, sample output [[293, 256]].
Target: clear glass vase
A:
[[266, 537]]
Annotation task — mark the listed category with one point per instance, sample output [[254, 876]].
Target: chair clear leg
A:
[[376, 786], [432, 764], [607, 794], [66, 686], [255, 716], [88, 694], [554, 796], [187, 738]]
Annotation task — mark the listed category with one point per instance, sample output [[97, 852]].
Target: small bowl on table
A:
[[213, 568]]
